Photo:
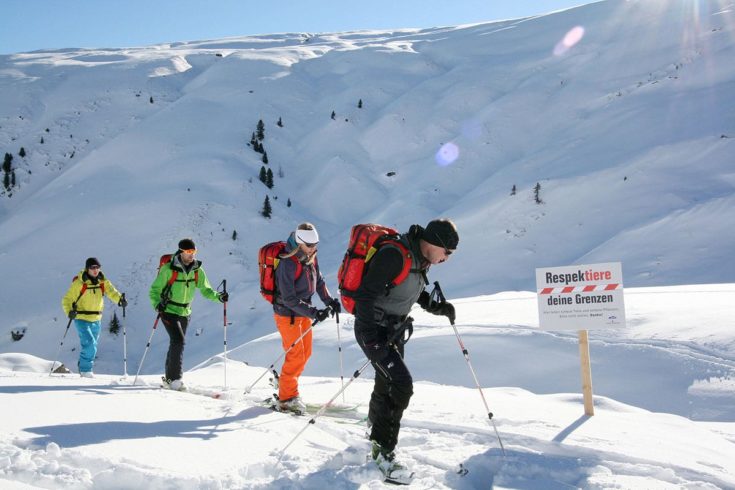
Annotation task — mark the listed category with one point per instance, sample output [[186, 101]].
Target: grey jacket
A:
[[376, 304], [293, 295]]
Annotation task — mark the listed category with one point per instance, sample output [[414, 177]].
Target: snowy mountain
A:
[[621, 111], [629, 134]]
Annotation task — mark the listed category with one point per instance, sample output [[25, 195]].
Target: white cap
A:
[[309, 237]]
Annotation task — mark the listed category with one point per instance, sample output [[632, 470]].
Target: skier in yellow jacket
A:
[[83, 303]]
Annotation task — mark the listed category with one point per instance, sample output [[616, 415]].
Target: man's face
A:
[[93, 271], [187, 257], [434, 254]]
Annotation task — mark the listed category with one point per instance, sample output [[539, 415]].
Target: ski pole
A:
[[224, 314], [466, 355], [62, 343], [269, 368], [339, 344], [147, 346], [323, 408], [125, 343]]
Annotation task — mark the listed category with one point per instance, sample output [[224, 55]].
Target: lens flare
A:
[[571, 38], [447, 154]]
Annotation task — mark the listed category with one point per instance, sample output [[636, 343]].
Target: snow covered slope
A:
[[629, 133], [68, 432]]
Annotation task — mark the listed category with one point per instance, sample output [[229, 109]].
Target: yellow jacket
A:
[[89, 304]]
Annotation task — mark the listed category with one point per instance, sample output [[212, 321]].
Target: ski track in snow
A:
[[433, 450]]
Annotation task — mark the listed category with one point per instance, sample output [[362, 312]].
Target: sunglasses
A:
[[93, 267], [190, 251], [447, 252], [310, 245]]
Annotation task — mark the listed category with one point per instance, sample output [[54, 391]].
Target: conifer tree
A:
[[6, 181], [536, 192], [269, 179], [265, 157], [253, 140], [7, 163], [262, 175], [115, 324], [22, 152], [267, 210], [260, 130], [359, 104]]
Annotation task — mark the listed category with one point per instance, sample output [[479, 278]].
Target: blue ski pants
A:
[[89, 334]]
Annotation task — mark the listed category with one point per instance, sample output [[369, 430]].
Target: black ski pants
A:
[[176, 329], [391, 394]]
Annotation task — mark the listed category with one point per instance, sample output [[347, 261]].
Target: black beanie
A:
[[92, 261], [187, 244], [442, 233]]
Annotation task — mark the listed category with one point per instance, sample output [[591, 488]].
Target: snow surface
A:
[[63, 431], [629, 133]]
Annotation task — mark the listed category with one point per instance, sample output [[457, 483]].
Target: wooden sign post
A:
[[586, 367], [580, 297]]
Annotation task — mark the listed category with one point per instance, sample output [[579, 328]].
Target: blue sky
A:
[[27, 25]]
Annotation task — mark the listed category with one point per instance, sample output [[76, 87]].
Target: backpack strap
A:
[[405, 253], [166, 293], [81, 292]]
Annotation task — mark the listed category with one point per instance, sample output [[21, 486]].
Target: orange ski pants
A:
[[295, 362]]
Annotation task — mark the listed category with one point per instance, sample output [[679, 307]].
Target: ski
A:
[[393, 481], [192, 390], [347, 412]]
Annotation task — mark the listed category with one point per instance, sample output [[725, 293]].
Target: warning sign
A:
[[580, 297]]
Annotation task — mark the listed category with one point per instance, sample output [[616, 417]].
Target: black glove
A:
[[321, 315], [335, 306], [72, 314], [424, 300], [123, 302], [160, 308], [376, 352], [224, 296], [446, 309]]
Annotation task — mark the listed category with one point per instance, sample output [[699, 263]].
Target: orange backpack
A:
[[365, 240]]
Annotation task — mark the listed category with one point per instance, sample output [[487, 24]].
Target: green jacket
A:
[[89, 305], [181, 293]]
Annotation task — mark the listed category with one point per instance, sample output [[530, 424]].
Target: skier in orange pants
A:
[[297, 279]]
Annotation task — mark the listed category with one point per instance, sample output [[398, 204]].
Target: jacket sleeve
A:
[[205, 288], [286, 287], [111, 292], [158, 284], [71, 296], [385, 266], [321, 286]]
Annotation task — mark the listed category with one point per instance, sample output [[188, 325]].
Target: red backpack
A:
[[268, 260], [365, 240]]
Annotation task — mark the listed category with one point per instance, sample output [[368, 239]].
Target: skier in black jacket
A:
[[382, 326]]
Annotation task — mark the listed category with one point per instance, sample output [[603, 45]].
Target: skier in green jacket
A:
[[171, 295]]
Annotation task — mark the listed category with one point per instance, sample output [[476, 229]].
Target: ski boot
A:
[[393, 471]]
